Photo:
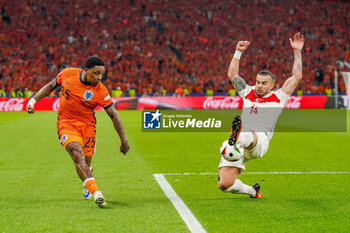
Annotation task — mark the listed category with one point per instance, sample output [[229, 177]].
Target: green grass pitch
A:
[[40, 191]]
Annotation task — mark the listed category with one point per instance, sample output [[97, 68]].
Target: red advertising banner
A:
[[150, 103]]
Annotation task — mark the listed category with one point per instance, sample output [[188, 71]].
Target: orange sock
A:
[[90, 183]]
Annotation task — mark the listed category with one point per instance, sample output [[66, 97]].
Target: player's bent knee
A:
[[224, 185], [227, 177]]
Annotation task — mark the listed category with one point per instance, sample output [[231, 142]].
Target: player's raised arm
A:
[[291, 83], [42, 93], [233, 71], [118, 125]]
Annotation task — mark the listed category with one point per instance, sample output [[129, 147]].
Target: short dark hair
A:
[[93, 61], [266, 72]]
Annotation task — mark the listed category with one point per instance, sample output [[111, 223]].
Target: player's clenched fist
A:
[[124, 147], [242, 45]]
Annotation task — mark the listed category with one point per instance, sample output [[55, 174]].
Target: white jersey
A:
[[260, 114]]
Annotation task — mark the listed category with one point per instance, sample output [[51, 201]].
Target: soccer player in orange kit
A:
[[82, 91]]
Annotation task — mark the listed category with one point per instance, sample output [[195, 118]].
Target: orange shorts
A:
[[78, 132]]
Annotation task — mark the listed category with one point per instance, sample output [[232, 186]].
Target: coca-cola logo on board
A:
[[56, 105], [230, 102], [293, 102], [12, 105]]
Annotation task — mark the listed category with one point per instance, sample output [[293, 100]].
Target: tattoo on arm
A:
[[239, 83], [46, 90], [297, 68]]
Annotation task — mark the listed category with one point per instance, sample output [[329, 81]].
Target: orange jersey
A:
[[78, 100]]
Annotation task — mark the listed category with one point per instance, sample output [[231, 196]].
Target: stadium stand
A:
[[161, 47]]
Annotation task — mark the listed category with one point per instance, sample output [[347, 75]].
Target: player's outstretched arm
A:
[[118, 125], [42, 93], [233, 70], [291, 83]]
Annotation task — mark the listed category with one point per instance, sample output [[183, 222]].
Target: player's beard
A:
[[260, 93]]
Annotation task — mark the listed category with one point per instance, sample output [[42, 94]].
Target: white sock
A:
[[88, 178], [245, 139], [239, 188]]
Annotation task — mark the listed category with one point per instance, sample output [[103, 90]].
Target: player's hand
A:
[[298, 42], [124, 147], [242, 45], [30, 108]]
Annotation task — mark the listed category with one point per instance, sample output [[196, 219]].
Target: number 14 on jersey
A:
[[253, 110]]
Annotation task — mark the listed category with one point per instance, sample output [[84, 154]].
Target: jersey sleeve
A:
[[104, 99], [243, 93], [60, 76], [282, 96]]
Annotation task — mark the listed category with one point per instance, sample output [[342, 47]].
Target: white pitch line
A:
[[255, 173], [185, 213]]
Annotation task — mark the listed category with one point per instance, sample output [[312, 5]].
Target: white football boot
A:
[[86, 193], [99, 199]]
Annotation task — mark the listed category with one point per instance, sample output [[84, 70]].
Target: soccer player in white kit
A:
[[261, 109]]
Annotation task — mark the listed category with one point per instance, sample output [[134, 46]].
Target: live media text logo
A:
[[170, 120], [310, 120]]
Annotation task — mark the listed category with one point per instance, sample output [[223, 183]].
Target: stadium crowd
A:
[[159, 47]]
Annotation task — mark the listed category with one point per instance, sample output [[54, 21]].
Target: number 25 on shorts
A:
[[90, 142]]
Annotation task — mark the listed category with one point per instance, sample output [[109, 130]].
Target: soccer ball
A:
[[231, 153]]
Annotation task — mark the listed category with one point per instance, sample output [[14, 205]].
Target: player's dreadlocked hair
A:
[[266, 72], [93, 61]]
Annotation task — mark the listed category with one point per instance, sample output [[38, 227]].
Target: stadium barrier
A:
[[180, 103]]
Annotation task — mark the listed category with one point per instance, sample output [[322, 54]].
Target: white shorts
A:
[[258, 151]]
